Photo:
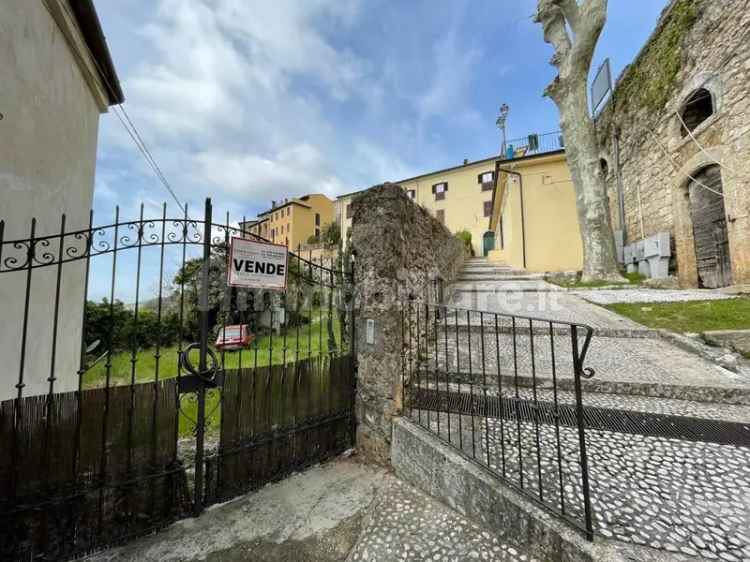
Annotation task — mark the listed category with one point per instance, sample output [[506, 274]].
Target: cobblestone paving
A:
[[628, 360], [672, 495], [506, 285], [408, 525], [703, 410], [551, 305], [688, 408], [611, 296]]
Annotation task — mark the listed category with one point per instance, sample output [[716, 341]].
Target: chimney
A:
[[466, 161], [273, 204]]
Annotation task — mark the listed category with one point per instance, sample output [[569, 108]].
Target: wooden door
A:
[[710, 234]]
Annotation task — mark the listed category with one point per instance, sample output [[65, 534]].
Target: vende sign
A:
[[257, 265]]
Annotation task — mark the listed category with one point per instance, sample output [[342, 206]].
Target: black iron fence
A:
[[506, 392], [122, 408]]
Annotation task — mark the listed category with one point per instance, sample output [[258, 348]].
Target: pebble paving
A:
[[637, 360], [408, 525], [672, 495], [552, 305], [645, 404], [685, 497], [644, 295]]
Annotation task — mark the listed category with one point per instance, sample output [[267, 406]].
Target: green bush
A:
[[465, 237], [116, 327]]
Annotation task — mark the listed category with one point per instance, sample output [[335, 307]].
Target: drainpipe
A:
[[523, 213], [620, 189]]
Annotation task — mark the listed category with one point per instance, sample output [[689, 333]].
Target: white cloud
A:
[[221, 105], [253, 101]]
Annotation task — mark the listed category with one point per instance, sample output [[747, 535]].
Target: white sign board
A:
[[257, 265], [601, 86]]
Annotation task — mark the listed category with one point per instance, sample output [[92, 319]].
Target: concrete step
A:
[[500, 276], [487, 272], [485, 267]]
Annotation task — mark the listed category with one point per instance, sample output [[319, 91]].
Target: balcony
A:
[[532, 145]]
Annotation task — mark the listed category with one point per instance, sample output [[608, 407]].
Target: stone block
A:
[[736, 340]]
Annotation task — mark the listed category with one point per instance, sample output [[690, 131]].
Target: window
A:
[[317, 219], [440, 189], [488, 208], [348, 211], [317, 233], [698, 108], [411, 193], [440, 215], [487, 180], [288, 211]]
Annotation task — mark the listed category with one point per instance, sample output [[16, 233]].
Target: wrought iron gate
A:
[[506, 392], [118, 417]]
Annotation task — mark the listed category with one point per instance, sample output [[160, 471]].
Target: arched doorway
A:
[[488, 242], [710, 234]]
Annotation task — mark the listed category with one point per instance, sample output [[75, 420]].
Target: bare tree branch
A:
[[589, 29], [572, 13], [551, 16]]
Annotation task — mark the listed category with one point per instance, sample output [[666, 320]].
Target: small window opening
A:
[[605, 167], [698, 108]]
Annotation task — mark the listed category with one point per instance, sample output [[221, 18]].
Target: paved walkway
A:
[[627, 357], [407, 525], [674, 496], [340, 511], [551, 305], [612, 296]]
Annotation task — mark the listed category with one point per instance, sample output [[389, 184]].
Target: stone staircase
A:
[[481, 269]]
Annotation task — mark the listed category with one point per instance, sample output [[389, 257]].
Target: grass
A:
[[694, 316], [632, 279], [310, 340]]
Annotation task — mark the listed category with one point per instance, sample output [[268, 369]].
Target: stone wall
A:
[[400, 251], [697, 44]]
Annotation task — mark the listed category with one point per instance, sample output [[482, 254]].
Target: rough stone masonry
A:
[[698, 46], [402, 254]]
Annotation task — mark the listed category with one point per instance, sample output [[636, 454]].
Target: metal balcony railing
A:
[[533, 144]]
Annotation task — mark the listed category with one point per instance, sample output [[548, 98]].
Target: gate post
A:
[[400, 249], [203, 365]]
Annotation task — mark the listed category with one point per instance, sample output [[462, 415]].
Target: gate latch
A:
[[209, 377]]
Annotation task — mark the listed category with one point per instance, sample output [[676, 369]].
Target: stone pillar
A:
[[399, 250]]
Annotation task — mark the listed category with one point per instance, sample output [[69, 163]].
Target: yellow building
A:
[[520, 210], [293, 221], [534, 217], [460, 197]]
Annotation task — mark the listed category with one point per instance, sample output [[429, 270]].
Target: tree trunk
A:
[[592, 202], [573, 29]]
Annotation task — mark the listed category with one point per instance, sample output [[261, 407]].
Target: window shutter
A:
[[445, 187], [479, 178], [433, 188]]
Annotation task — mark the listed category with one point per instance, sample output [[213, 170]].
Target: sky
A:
[[249, 101], [253, 101]]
